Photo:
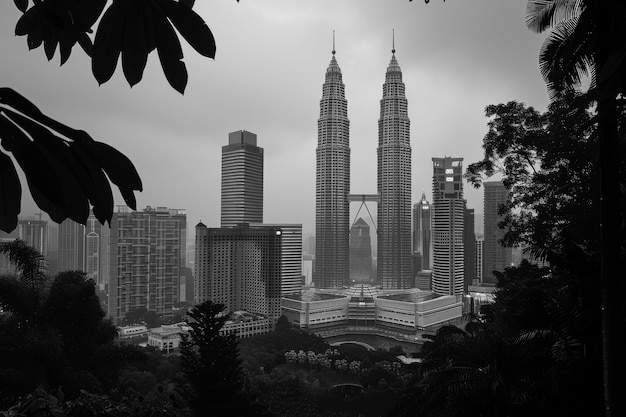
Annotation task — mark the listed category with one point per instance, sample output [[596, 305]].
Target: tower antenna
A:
[[333, 41], [393, 41]]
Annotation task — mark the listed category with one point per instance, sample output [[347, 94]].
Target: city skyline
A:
[[453, 67]]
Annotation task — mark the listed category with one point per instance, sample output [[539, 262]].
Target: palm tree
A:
[[22, 295], [588, 37]]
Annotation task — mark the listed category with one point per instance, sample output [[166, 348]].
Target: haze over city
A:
[[456, 58]]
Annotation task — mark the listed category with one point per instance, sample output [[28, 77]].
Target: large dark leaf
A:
[[99, 194], [11, 193], [26, 22], [170, 52], [134, 45], [18, 102], [35, 36], [21, 4], [117, 166], [43, 182], [191, 27], [62, 162], [50, 41], [108, 43]]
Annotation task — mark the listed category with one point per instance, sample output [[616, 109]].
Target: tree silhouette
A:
[[588, 37], [211, 365]]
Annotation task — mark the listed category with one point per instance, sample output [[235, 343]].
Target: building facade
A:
[[242, 180], [447, 226], [469, 248], [495, 256], [332, 184], [480, 242], [71, 249], [394, 264], [239, 267], [147, 256], [360, 252], [291, 275]]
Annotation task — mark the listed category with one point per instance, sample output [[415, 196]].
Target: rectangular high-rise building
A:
[[480, 241], [240, 267], [97, 245], [147, 257], [242, 180], [469, 248], [496, 257], [71, 249], [448, 226]]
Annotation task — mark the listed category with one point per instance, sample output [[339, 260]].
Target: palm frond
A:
[[567, 55], [544, 14]]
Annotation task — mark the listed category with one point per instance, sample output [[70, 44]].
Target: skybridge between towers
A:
[[363, 198]]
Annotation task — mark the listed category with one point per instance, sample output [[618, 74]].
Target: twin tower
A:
[[332, 186]]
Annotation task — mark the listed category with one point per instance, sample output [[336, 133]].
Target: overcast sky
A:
[[456, 57]]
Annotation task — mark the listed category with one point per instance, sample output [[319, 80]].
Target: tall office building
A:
[[447, 226], [480, 241], [394, 184], [97, 260], [422, 231], [239, 267], [469, 248], [71, 250], [147, 250], [496, 256], [242, 180], [332, 184], [360, 252]]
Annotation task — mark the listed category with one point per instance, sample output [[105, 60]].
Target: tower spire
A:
[[393, 41], [333, 41]]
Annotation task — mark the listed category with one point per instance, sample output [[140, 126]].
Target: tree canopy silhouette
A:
[[587, 37]]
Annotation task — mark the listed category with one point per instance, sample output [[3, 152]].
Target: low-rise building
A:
[[167, 337], [127, 332], [407, 311], [245, 324]]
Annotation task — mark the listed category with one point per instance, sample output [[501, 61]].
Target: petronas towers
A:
[[332, 188], [332, 184]]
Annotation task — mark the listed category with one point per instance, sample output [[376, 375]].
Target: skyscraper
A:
[[447, 226], [71, 256], [469, 248], [97, 246], [147, 260], [422, 231], [242, 180], [394, 184], [360, 252], [496, 257], [332, 183], [480, 241]]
